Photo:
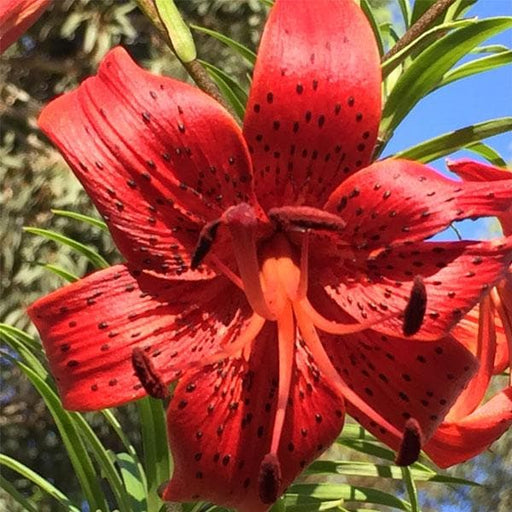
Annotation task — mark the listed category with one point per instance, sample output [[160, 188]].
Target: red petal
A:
[[90, 328], [400, 378], [314, 106], [220, 426], [394, 201], [466, 332], [16, 17], [459, 441], [158, 158], [485, 352], [455, 274], [470, 170]]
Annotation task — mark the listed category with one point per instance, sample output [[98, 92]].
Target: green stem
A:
[[194, 67], [411, 488]]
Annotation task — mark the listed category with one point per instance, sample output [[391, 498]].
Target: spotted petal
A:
[[314, 105], [455, 275], [90, 329], [158, 158], [459, 441], [221, 417], [394, 376], [471, 170], [395, 201]]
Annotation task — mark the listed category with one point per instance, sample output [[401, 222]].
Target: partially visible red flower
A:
[[276, 274], [16, 17], [472, 425]]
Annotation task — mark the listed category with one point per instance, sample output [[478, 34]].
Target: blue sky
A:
[[468, 101]]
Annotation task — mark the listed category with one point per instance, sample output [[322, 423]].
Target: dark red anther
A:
[[269, 480], [148, 375], [204, 244], [415, 311], [305, 217], [410, 448]]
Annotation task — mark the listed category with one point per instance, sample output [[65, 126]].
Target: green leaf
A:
[[28, 505], [97, 260], [132, 482], [84, 470], [477, 66], [38, 480], [311, 494], [365, 6], [421, 42], [452, 141], [105, 462], [248, 55], [421, 77], [98, 223], [368, 469], [405, 9], [67, 276], [157, 464], [229, 87], [487, 152]]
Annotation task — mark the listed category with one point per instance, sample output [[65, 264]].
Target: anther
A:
[[415, 310], [305, 217], [410, 447], [269, 480], [204, 244], [149, 378]]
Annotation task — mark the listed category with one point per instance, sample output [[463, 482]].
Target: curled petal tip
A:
[[410, 447]]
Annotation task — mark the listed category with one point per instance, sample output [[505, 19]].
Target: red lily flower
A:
[[472, 426], [267, 269], [16, 17]]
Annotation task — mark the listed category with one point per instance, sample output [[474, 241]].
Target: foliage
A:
[[61, 50]]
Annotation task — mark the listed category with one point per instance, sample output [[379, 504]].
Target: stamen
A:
[[242, 223], [302, 289], [310, 336], [217, 263], [286, 344], [269, 480], [305, 217], [147, 374], [204, 244], [229, 349], [410, 447], [415, 310], [332, 327]]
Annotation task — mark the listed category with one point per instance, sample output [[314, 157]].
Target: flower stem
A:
[[194, 67], [411, 488], [423, 23]]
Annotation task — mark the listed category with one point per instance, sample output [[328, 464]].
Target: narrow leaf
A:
[[487, 152], [422, 77], [243, 51], [82, 218], [452, 141], [38, 480], [477, 66], [97, 260]]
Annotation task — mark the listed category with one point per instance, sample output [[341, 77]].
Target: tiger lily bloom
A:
[[472, 425], [16, 17], [280, 278]]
